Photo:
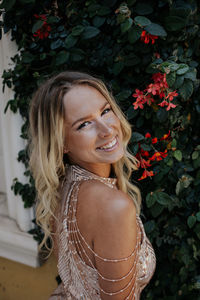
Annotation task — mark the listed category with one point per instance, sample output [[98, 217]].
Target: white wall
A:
[[15, 221]]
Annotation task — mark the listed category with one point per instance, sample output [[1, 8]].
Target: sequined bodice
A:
[[80, 280]]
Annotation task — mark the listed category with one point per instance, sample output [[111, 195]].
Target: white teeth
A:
[[111, 144]]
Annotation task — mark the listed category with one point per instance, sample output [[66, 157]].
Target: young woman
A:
[[86, 204]]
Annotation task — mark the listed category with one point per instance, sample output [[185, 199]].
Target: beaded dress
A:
[[80, 279]]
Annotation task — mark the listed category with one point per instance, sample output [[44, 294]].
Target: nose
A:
[[105, 129]]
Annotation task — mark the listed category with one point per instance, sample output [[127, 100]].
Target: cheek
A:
[[117, 122], [81, 140]]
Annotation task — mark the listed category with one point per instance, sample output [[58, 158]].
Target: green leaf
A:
[[179, 81], [162, 115], [178, 155], [150, 199], [7, 4], [134, 34], [182, 69], [52, 19], [173, 66], [13, 105], [37, 26], [186, 89], [118, 67], [103, 10], [143, 8], [155, 29], [163, 198], [27, 1], [156, 210], [90, 32], [131, 113], [123, 95], [174, 143], [134, 148], [149, 226], [56, 44], [174, 23], [136, 137], [131, 60], [98, 21], [191, 75], [179, 187], [195, 155], [62, 57], [146, 147], [27, 57], [125, 26], [171, 78], [142, 21], [77, 54], [191, 221], [77, 30], [70, 41], [198, 216], [196, 163]]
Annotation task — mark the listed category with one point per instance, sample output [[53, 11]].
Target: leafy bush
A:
[[126, 43]]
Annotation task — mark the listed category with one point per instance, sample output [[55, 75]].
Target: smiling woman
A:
[[93, 131], [86, 204]]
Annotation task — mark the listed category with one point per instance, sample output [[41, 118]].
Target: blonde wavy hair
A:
[[47, 143]]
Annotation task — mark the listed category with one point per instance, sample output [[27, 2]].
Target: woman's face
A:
[[93, 137]]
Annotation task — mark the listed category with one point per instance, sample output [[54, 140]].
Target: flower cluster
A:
[[43, 32], [145, 159], [158, 88], [147, 37]]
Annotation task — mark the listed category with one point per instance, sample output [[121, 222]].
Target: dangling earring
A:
[[65, 150]]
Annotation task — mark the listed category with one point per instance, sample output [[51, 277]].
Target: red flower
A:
[[157, 55], [41, 17], [144, 153], [164, 154], [146, 174], [145, 163], [158, 156], [147, 37], [42, 32], [157, 77], [140, 99], [170, 105], [165, 136], [153, 88], [163, 103], [154, 140], [171, 95], [147, 135]]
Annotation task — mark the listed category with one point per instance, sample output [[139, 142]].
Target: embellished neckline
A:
[[78, 173]]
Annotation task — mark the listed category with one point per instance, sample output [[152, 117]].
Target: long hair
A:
[[47, 119]]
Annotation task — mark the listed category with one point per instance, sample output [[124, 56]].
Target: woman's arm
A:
[[115, 237]]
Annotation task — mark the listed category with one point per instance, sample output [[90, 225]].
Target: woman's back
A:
[[103, 252]]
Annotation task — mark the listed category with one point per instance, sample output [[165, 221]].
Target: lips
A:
[[109, 145]]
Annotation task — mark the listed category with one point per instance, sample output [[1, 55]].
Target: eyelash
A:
[[83, 124]]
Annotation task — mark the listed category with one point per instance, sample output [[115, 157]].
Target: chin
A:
[[115, 158]]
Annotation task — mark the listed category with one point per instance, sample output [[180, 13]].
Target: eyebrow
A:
[[90, 116]]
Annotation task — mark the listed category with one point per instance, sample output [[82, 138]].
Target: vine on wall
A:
[[148, 53]]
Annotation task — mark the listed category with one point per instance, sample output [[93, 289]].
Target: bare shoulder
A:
[[106, 201], [112, 216]]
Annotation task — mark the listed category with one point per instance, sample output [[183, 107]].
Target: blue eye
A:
[[83, 125], [106, 110]]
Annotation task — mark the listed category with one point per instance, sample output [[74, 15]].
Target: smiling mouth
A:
[[110, 146]]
